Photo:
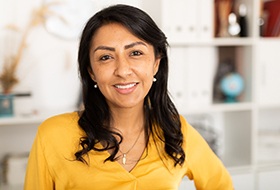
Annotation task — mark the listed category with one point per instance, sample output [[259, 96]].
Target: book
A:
[[272, 22]]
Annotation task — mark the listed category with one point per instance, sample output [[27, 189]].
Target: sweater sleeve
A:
[[204, 167], [37, 172]]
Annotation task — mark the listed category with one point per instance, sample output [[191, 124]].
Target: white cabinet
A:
[[268, 180], [243, 181], [268, 147], [268, 70]]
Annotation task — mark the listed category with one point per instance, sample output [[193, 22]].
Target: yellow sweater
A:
[[52, 163]]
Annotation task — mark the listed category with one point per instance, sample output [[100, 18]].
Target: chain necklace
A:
[[125, 153]]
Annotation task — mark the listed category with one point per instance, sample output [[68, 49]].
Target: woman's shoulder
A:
[[62, 118], [184, 124], [58, 136], [60, 124], [188, 130]]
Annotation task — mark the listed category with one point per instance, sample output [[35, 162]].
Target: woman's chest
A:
[[149, 173]]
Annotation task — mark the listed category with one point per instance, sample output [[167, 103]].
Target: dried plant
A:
[[8, 75]]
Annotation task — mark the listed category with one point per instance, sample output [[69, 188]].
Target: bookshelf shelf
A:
[[217, 42], [21, 120], [221, 107]]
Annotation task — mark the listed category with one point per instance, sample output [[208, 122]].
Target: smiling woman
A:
[[129, 133]]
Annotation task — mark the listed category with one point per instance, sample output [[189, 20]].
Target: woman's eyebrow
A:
[[134, 44], [104, 48], [125, 47]]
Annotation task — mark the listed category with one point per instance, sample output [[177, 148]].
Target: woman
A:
[[129, 135]]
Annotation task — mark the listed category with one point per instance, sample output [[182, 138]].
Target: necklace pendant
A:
[[124, 159]]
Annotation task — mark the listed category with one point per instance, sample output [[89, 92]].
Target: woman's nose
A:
[[123, 67]]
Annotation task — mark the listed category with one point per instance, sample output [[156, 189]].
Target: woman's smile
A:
[[125, 88]]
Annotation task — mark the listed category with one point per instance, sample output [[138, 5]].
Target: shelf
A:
[[269, 106], [217, 42], [221, 107], [269, 39], [32, 118], [241, 169], [268, 166], [234, 41], [21, 120]]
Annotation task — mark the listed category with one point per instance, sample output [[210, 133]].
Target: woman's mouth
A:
[[125, 86]]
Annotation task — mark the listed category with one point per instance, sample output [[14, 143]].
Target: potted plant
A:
[[8, 80]]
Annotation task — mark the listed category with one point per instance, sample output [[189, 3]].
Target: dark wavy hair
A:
[[161, 117]]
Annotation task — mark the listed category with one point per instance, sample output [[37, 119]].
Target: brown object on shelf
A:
[[223, 9], [272, 21]]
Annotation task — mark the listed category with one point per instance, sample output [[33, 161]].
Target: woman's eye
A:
[[136, 53], [105, 57]]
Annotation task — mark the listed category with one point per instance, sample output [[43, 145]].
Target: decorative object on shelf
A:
[[231, 86], [6, 105], [233, 26], [224, 68], [223, 9], [242, 20]]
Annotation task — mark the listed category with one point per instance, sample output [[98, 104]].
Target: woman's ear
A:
[[156, 65], [91, 74]]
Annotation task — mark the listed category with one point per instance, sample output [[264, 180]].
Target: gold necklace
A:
[[125, 153]]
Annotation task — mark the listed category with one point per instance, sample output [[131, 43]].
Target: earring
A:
[[95, 86], [154, 79]]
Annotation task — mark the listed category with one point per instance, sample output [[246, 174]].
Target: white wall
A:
[[48, 68]]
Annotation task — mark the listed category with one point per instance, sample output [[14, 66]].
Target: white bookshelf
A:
[[251, 127]]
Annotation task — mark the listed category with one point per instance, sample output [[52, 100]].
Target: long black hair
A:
[[161, 117]]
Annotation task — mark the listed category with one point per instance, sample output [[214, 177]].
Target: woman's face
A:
[[123, 66]]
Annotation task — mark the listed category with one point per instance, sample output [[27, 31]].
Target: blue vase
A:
[[6, 105]]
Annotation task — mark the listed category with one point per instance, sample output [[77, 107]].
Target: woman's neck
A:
[[128, 120]]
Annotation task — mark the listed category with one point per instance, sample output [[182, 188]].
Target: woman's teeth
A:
[[125, 86]]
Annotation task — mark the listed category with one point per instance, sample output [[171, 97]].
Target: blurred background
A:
[[224, 77]]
